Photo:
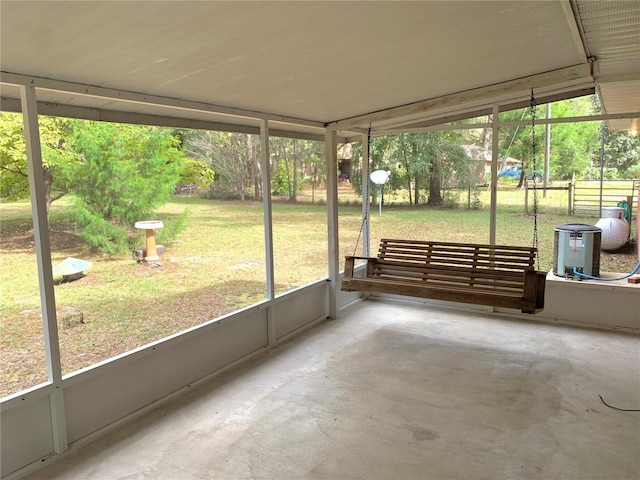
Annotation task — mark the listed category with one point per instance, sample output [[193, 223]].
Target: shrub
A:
[[173, 227], [450, 199], [593, 173], [125, 173], [220, 192], [100, 234]]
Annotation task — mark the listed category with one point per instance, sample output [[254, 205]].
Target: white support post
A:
[[366, 198], [268, 228], [331, 156], [43, 258], [494, 176]]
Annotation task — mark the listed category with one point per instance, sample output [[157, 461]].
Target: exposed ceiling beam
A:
[[514, 123], [442, 119], [524, 123], [141, 98], [506, 92], [584, 118], [105, 115]]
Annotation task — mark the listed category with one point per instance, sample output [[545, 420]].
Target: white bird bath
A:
[[149, 226]]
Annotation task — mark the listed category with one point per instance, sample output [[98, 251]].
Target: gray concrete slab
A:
[[396, 391]]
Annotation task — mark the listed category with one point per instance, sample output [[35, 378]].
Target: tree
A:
[[431, 158], [622, 152], [125, 173], [572, 144], [517, 142], [196, 174], [415, 157], [383, 152], [457, 167], [314, 165], [233, 157], [255, 172], [295, 163], [415, 160], [57, 159], [284, 175]]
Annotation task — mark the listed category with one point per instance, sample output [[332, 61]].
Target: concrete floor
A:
[[396, 391]]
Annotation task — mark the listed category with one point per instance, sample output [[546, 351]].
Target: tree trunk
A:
[[48, 180], [486, 134], [286, 166], [253, 166], [294, 196], [435, 187]]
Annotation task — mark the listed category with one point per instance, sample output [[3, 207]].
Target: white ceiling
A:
[[312, 63]]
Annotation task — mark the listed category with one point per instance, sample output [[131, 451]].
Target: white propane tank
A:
[[615, 229]]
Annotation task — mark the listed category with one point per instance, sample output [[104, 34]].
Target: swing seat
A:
[[498, 276]]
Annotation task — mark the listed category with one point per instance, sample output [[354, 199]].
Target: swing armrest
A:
[[349, 264]]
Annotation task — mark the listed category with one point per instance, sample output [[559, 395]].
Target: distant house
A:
[[345, 155], [483, 157]]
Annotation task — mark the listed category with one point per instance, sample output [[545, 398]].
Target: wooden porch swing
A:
[[499, 276], [494, 275]]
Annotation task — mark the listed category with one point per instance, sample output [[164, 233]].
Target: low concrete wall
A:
[[587, 303], [604, 304], [106, 395]]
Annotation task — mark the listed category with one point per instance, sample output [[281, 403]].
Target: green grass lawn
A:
[[216, 266]]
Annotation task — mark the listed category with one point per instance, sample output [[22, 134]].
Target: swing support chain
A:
[[365, 189], [535, 169]]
